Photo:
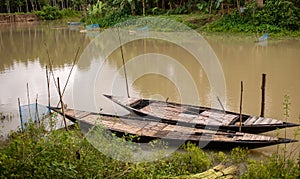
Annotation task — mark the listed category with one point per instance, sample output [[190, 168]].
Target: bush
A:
[[273, 167], [274, 17], [49, 13], [69, 13]]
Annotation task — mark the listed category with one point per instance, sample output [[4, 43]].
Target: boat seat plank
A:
[[259, 120], [224, 119], [274, 121], [266, 121], [130, 102], [250, 120]]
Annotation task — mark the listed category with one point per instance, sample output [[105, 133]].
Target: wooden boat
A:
[[199, 117], [148, 130], [263, 37], [74, 23]]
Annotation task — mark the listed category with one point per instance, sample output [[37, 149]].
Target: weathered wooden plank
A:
[[224, 119], [266, 121], [274, 121], [250, 120], [259, 120]]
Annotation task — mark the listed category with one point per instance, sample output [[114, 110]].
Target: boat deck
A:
[[162, 130]]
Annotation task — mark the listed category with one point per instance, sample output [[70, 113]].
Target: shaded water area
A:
[[155, 69]]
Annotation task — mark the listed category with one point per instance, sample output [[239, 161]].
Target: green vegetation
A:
[[53, 13], [62, 154], [274, 16], [68, 154]]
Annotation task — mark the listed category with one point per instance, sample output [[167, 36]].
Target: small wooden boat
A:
[[74, 23], [199, 117], [92, 27], [173, 134], [263, 37]]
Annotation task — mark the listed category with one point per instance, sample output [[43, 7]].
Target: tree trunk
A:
[[32, 5], [163, 4], [238, 6], [26, 4], [144, 8], [7, 6], [170, 5]]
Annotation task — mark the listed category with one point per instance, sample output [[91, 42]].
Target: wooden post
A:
[[62, 105], [263, 85], [241, 104], [28, 100], [48, 87], [36, 108], [20, 112]]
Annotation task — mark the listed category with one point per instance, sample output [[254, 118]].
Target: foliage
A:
[[49, 13], [275, 16], [62, 154], [277, 165], [69, 13], [272, 167]]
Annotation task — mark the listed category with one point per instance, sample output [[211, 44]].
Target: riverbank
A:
[[17, 18], [203, 23]]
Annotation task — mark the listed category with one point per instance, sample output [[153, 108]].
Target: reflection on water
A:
[[178, 76], [27, 43], [24, 50]]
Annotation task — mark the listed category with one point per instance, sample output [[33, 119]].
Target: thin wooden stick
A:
[[124, 67], [20, 113], [262, 109], [36, 108], [48, 87], [62, 105], [241, 104], [28, 100], [221, 104], [74, 63], [51, 66]]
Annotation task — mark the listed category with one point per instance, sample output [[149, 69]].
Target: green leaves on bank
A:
[[275, 16]]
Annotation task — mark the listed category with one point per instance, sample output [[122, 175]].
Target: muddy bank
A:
[[11, 18]]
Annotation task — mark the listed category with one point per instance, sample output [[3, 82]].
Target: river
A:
[[155, 69]]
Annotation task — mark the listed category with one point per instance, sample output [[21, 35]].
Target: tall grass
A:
[[281, 164]]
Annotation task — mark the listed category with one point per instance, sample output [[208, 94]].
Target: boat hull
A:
[[250, 124], [172, 134]]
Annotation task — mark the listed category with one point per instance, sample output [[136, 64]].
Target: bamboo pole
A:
[[74, 63], [36, 108], [62, 105], [263, 85], [241, 104], [28, 100], [48, 87], [20, 113], [221, 105], [51, 66], [124, 67]]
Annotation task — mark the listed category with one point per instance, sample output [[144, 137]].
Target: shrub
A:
[[49, 13], [275, 16]]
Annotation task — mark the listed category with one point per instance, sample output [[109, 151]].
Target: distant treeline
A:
[[135, 7]]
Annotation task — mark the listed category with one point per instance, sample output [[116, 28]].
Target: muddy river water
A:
[[155, 69]]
